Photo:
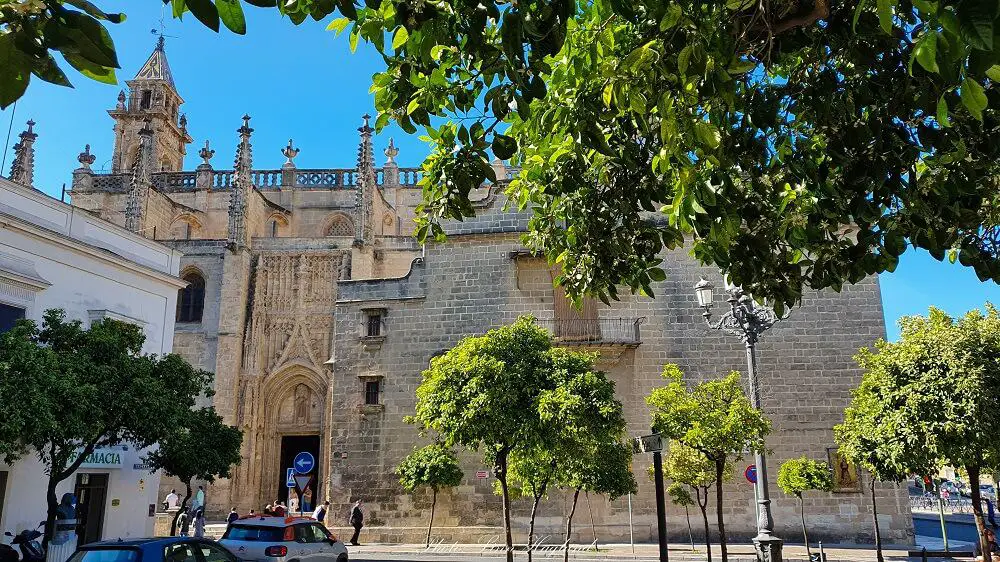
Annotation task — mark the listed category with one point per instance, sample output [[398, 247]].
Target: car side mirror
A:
[[9, 534]]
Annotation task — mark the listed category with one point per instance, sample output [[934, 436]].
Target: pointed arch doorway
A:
[[295, 412]]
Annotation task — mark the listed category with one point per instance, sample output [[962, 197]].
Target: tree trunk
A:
[[878, 534], [50, 514], [569, 524], [531, 524], [501, 471], [434, 500], [187, 496], [977, 509], [720, 467], [687, 515], [805, 534], [703, 505]]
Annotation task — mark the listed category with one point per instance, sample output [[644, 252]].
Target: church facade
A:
[[317, 311]]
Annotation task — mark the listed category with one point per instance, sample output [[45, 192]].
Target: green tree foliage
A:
[[715, 418], [689, 467], [605, 469], [680, 496], [929, 399], [433, 466], [801, 475], [795, 144], [512, 396], [203, 447], [69, 390]]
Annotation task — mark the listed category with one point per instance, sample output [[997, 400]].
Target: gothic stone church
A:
[[317, 311]]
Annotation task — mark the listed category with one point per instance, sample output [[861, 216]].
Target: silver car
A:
[[282, 539]]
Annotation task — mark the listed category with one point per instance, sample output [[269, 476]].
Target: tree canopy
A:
[[929, 399], [522, 403], [801, 475], [715, 418], [69, 390], [203, 447], [433, 466], [797, 144]]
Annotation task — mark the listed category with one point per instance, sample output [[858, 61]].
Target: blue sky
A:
[[302, 83]]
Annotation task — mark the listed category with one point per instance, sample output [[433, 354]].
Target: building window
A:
[[373, 323], [147, 99], [191, 300], [9, 315], [372, 391], [274, 229], [187, 231]]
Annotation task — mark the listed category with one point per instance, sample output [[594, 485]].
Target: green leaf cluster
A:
[[803, 474], [433, 466], [714, 418], [928, 400], [203, 447], [69, 390]]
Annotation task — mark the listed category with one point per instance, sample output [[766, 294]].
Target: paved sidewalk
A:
[[678, 552]]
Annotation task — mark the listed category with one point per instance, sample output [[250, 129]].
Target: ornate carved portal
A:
[[285, 386]]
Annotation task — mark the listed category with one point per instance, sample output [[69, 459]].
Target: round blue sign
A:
[[751, 474], [304, 462]]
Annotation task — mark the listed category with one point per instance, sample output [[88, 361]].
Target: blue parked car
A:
[[165, 549]]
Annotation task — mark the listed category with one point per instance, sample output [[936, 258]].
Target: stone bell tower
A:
[[152, 98]]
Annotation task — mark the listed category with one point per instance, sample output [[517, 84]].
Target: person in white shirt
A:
[[171, 500]]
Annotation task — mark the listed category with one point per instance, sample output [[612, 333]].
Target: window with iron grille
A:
[[373, 325], [372, 390]]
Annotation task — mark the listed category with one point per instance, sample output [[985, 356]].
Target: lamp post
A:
[[748, 321]]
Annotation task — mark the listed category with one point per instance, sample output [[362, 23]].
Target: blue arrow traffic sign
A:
[[304, 462], [290, 478]]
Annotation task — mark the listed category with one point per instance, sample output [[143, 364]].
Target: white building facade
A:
[[53, 255]]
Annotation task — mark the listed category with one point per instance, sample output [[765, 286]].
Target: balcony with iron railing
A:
[[593, 332]]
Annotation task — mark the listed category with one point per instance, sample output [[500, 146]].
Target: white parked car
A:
[[282, 539], [988, 492]]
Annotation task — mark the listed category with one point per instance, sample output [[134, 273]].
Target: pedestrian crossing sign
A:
[[290, 478]]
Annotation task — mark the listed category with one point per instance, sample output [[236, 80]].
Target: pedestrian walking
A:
[[183, 523], [320, 513], [357, 521], [252, 513], [279, 509], [199, 524], [991, 513], [233, 516], [269, 510], [199, 500]]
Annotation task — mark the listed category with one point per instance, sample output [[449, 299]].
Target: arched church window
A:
[[341, 226], [191, 300], [147, 99]]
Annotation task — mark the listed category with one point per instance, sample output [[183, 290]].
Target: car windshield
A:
[[252, 533], [106, 555]]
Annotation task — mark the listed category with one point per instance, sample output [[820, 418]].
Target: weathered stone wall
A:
[[471, 284]]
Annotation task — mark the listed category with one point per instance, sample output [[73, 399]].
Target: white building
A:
[[53, 255]]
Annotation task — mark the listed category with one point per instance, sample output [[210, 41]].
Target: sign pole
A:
[[631, 535], [661, 516]]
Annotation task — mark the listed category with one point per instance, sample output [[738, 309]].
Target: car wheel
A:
[[342, 558]]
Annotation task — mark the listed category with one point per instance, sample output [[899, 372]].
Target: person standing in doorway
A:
[[357, 521], [279, 509]]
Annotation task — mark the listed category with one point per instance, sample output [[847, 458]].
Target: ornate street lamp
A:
[[748, 321]]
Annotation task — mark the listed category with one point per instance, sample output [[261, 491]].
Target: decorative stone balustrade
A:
[[332, 178]]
